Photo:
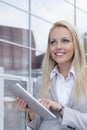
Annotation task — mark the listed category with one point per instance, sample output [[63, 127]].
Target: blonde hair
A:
[[78, 61]]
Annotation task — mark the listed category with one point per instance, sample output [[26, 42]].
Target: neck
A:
[[64, 69]]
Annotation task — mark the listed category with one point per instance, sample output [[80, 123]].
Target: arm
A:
[[74, 118], [33, 120]]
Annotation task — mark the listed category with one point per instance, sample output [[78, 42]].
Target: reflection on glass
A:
[[40, 32], [16, 35], [37, 63], [14, 119], [14, 59], [14, 13]]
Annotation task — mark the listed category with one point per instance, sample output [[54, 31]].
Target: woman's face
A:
[[61, 46]]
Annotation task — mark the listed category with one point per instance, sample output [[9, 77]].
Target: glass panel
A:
[[56, 10], [14, 13], [81, 4], [40, 31], [81, 14], [85, 45], [14, 59], [14, 119], [16, 35], [81, 21], [37, 63]]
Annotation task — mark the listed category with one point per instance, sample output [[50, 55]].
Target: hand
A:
[[49, 104], [22, 105]]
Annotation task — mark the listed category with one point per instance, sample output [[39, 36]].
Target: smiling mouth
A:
[[59, 53]]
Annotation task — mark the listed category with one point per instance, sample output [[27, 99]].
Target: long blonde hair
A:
[[78, 61]]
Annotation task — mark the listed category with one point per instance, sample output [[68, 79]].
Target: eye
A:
[[65, 41], [53, 42]]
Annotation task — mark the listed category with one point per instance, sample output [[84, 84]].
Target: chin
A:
[[60, 62]]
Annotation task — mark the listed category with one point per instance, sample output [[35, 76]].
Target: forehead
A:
[[60, 32]]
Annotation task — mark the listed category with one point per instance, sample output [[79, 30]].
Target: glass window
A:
[[56, 10], [14, 59], [14, 13], [14, 119], [40, 31]]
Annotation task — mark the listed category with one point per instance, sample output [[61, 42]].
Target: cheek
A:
[[71, 50], [51, 49]]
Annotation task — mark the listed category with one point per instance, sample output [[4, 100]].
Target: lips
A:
[[59, 53]]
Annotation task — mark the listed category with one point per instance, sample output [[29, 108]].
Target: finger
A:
[[45, 102], [21, 103]]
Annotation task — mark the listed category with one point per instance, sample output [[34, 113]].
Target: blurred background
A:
[[24, 28]]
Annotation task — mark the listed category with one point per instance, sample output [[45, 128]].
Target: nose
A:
[[59, 45]]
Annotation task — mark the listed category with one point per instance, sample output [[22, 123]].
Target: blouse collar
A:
[[56, 71]]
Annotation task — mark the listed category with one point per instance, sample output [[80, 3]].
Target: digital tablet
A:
[[34, 104]]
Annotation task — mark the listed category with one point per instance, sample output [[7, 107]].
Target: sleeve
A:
[[74, 119], [35, 123]]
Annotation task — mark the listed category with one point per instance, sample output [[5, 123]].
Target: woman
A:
[[63, 86]]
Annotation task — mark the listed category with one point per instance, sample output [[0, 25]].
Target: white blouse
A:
[[63, 86]]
